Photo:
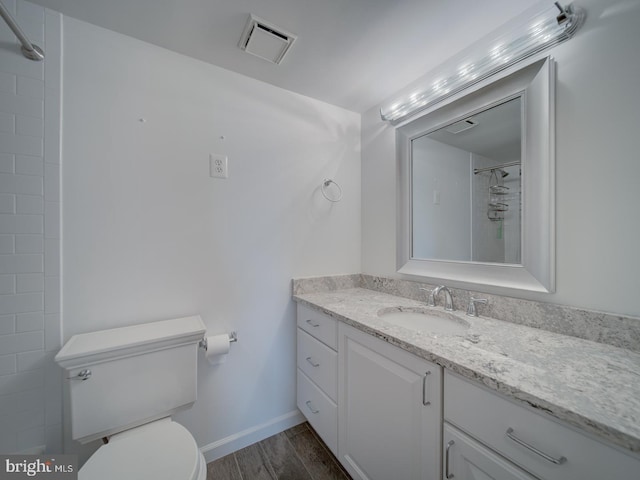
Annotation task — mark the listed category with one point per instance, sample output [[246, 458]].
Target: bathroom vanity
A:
[[491, 400]]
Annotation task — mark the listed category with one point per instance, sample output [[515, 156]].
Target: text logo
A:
[[53, 467]]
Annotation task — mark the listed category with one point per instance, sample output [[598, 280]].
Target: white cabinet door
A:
[[466, 459], [389, 410]]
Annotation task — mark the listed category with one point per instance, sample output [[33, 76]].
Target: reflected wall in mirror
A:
[[476, 184], [466, 179]]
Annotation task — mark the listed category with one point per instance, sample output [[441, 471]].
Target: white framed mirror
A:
[[476, 185]]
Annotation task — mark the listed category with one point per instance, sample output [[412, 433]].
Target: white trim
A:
[[237, 441]]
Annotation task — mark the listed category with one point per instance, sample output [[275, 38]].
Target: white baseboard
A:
[[237, 441]]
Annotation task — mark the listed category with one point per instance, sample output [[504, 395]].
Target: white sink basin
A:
[[423, 319]]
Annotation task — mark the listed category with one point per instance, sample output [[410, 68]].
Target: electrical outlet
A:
[[218, 166]]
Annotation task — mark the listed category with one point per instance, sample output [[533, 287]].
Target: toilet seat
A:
[[160, 450]]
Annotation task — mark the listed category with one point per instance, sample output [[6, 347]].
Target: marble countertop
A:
[[593, 386]]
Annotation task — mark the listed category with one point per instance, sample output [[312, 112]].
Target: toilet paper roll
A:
[[217, 348]]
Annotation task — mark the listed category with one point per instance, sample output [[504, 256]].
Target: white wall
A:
[[597, 169], [30, 386], [149, 235]]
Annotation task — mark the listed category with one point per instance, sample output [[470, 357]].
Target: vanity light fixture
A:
[[535, 30]]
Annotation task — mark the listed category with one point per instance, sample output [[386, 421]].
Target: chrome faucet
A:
[[448, 301]]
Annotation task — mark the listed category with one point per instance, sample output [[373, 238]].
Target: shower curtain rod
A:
[[495, 167], [29, 50]]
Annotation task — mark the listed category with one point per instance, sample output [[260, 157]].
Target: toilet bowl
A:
[[124, 386]]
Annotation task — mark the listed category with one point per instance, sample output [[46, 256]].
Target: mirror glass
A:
[[466, 188]]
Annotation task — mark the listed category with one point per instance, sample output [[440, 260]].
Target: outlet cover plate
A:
[[218, 166]]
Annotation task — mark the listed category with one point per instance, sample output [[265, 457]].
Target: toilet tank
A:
[[133, 375]]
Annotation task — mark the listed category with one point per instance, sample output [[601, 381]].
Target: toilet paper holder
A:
[[233, 337]]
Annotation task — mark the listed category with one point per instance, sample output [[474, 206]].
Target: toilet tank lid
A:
[[104, 344]]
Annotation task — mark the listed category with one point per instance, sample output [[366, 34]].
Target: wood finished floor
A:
[[295, 454]]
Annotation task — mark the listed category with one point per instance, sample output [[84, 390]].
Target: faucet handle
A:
[[432, 299], [471, 309]]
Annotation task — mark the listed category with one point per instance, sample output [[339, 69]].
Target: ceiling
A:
[[496, 135], [350, 53]]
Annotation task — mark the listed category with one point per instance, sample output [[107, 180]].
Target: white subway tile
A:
[[23, 420], [22, 401], [30, 87], [52, 125], [30, 12], [21, 105], [30, 282], [6, 244], [30, 440], [7, 285], [7, 324], [52, 257], [27, 165], [8, 442], [26, 184], [53, 436], [53, 383], [29, 126], [30, 204], [52, 332], [21, 263], [21, 224], [29, 244], [7, 364], [7, 203], [7, 83], [6, 162], [21, 382], [21, 303], [29, 322], [33, 360], [32, 27], [52, 294], [52, 219], [21, 144], [13, 62], [7, 122], [52, 183]]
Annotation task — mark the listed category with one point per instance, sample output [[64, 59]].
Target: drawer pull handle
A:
[[425, 402], [310, 407], [446, 460], [312, 363], [314, 325], [549, 458]]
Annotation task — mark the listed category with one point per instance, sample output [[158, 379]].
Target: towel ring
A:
[[323, 188]]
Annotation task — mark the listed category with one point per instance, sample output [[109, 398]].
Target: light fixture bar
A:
[[532, 32]]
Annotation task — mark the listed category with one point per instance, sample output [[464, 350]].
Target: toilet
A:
[[124, 386]]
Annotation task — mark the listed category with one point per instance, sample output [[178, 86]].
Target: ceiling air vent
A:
[[462, 125], [265, 40]]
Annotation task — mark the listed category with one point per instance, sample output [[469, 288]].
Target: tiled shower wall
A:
[[30, 386]]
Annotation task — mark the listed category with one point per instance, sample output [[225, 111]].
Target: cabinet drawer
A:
[[319, 363], [495, 420], [319, 325], [321, 412], [466, 459]]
